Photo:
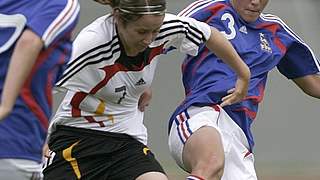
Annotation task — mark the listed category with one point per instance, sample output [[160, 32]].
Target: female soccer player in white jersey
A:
[[212, 142], [97, 132]]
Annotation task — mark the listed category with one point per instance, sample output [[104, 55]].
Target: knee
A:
[[209, 168], [203, 154]]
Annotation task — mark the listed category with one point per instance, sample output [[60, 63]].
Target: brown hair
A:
[[132, 10]]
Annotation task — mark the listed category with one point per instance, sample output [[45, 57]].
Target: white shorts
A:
[[239, 162], [20, 169]]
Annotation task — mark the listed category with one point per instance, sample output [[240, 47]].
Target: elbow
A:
[[29, 39], [313, 93], [312, 90], [310, 85]]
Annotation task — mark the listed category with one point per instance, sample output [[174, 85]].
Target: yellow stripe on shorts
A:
[[74, 164]]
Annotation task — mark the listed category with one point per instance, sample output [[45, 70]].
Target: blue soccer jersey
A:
[[263, 45], [24, 131]]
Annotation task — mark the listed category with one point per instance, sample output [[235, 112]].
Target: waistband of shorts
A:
[[82, 132]]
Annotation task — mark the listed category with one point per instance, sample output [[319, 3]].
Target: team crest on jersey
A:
[[264, 44]]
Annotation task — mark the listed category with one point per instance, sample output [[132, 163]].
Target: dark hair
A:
[[132, 10]]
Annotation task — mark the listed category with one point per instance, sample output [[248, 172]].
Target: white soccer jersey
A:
[[104, 85]]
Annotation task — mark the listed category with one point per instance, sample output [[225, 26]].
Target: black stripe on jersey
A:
[[76, 65], [92, 50], [177, 32], [184, 28], [88, 63], [175, 22]]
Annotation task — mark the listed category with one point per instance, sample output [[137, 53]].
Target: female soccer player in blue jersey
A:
[[98, 132], [35, 43], [212, 142]]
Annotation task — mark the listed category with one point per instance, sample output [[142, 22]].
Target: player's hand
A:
[[236, 94], [104, 2], [4, 112], [45, 151], [145, 99]]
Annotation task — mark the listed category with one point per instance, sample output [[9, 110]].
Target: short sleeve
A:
[[53, 19], [183, 33], [298, 61]]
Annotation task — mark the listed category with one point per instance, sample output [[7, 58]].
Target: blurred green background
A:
[[286, 129]]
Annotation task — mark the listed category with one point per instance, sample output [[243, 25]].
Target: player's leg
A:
[[192, 128], [203, 153], [195, 142]]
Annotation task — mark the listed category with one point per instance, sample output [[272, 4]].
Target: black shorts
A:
[[94, 155]]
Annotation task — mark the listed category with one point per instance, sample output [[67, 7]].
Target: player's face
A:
[[249, 10], [138, 35]]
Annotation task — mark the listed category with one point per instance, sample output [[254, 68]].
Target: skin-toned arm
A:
[[224, 50], [23, 58], [309, 84], [145, 99]]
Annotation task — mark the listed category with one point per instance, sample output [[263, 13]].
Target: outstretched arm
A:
[[309, 84], [224, 50], [23, 58]]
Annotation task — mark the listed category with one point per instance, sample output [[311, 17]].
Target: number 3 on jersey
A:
[[232, 31], [11, 27]]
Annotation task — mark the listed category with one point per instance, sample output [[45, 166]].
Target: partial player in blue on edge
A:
[[35, 43], [212, 141]]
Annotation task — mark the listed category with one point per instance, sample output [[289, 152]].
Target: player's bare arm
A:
[[23, 59], [145, 99], [310, 84]]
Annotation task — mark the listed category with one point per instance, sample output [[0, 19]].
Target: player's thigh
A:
[[153, 176], [204, 148], [195, 130]]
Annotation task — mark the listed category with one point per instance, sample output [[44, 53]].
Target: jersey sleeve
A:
[[95, 43], [183, 33], [81, 45], [98, 34], [299, 60], [53, 19]]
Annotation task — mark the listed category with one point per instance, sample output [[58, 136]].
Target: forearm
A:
[[23, 58], [223, 49], [310, 84]]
